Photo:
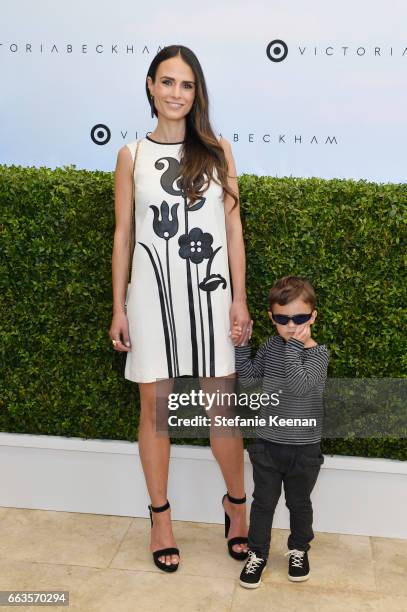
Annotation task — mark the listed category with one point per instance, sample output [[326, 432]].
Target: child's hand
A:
[[303, 333], [236, 333]]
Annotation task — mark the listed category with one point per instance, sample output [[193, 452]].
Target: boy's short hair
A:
[[288, 288]]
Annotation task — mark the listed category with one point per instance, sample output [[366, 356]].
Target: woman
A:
[[180, 309]]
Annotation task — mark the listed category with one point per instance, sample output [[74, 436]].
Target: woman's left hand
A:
[[239, 318]]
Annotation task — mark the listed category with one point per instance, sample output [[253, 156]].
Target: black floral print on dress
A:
[[165, 228], [195, 246]]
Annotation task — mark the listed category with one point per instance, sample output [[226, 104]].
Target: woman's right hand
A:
[[119, 331]]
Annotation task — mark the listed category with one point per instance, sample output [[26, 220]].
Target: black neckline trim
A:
[[165, 143]]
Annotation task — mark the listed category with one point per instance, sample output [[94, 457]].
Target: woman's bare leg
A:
[[228, 451], [155, 455]]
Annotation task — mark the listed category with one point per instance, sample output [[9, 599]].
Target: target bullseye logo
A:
[[277, 50], [100, 134]]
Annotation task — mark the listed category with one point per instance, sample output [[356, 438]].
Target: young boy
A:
[[287, 449]]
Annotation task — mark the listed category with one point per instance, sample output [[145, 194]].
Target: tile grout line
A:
[[373, 563], [114, 569], [310, 587], [120, 543], [234, 595]]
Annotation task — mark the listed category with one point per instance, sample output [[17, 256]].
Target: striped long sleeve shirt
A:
[[297, 376]]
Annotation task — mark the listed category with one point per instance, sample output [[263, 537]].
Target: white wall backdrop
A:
[[334, 107]]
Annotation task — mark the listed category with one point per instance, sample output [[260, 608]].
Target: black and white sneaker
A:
[[298, 565], [250, 577]]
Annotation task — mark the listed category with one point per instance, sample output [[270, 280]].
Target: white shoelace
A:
[[297, 557], [253, 563]]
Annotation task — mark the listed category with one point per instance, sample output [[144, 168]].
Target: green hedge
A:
[[59, 374]]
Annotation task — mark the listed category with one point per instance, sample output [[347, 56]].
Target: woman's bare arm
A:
[[121, 244], [239, 315]]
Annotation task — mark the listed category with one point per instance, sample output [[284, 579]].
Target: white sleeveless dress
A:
[[180, 294]]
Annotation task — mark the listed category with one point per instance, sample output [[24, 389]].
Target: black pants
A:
[[297, 466]]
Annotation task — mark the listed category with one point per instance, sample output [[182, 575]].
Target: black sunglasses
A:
[[298, 319]]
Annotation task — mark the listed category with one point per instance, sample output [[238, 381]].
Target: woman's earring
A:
[[152, 106]]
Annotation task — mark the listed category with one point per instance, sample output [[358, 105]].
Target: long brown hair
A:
[[201, 152]]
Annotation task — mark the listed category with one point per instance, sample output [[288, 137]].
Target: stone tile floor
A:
[[105, 564]]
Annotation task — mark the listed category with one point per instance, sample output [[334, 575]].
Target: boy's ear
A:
[[271, 316], [314, 316]]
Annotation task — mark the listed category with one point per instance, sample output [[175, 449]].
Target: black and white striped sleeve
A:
[[302, 375], [250, 371]]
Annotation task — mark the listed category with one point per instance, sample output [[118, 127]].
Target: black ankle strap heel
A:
[[239, 556], [235, 500], [164, 551], [158, 509]]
